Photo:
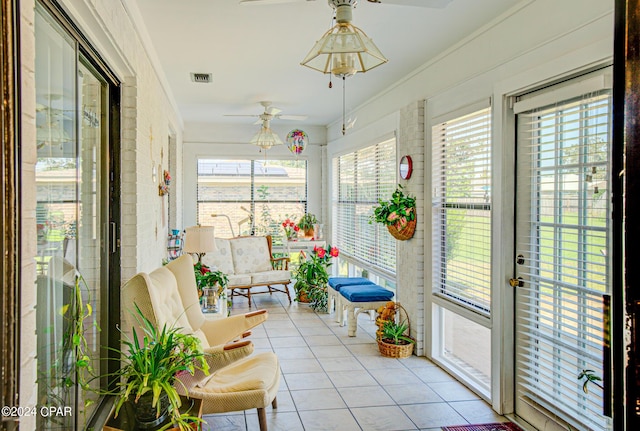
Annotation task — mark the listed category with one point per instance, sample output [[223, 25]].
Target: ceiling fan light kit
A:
[[266, 138], [345, 49]]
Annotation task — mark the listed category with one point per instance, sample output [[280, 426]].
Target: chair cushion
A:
[[259, 371], [167, 303], [221, 258], [250, 254], [182, 269], [365, 293], [276, 276], [239, 280], [338, 282]]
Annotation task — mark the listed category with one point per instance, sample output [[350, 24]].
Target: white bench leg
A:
[[352, 321]]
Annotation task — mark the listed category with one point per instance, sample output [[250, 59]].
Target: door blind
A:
[[562, 245], [462, 210], [361, 178]]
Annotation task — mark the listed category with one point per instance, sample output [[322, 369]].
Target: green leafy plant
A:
[[307, 221], [312, 276], [394, 333], [399, 210], [589, 376], [205, 277], [151, 364]]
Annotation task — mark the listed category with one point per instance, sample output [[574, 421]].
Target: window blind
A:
[[461, 175], [563, 235], [361, 178], [257, 196]]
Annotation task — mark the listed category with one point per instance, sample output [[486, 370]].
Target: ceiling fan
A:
[[418, 3], [269, 114]]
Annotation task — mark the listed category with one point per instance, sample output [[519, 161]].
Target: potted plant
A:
[[208, 279], [394, 342], [312, 276], [290, 228], [398, 214], [307, 223], [148, 373]]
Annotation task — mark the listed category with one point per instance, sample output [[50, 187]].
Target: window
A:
[[462, 210], [360, 179], [244, 197]]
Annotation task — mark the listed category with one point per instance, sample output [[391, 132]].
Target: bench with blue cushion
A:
[[357, 298], [336, 283]]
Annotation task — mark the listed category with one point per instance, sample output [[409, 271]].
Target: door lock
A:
[[520, 259], [516, 282]]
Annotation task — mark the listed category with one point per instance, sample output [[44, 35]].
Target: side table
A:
[[126, 421]]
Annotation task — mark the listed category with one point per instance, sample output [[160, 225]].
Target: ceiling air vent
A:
[[204, 78]]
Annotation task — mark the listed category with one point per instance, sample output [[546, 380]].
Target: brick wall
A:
[[410, 253]]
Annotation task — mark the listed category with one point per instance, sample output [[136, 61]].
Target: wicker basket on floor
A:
[[391, 350]]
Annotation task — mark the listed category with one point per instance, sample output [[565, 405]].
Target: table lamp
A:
[[199, 240]]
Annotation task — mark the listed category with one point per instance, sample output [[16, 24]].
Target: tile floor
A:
[[335, 382]]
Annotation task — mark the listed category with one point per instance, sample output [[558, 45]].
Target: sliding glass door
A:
[[75, 221]]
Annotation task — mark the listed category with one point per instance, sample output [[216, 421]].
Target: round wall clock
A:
[[406, 167]]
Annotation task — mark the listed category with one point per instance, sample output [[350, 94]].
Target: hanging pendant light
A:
[[266, 138], [344, 50]]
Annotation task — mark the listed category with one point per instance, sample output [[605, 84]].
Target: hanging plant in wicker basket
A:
[[398, 214]]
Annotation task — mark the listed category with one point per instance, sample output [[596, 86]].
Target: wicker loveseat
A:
[[249, 264]]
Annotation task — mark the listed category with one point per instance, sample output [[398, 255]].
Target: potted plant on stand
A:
[[307, 223], [147, 378], [212, 286], [312, 276], [398, 214]]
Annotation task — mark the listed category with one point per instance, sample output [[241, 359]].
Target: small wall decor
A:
[[405, 167], [163, 187], [297, 140]]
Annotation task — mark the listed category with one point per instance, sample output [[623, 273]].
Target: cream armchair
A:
[[237, 381]]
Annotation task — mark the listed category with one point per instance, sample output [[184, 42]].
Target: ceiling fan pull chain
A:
[[344, 80]]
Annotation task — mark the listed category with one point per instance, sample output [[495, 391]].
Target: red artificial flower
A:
[[334, 252], [296, 228], [204, 269], [320, 252]]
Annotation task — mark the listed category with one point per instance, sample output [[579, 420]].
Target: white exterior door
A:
[[562, 270]]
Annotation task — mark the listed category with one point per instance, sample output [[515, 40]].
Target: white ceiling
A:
[[254, 51]]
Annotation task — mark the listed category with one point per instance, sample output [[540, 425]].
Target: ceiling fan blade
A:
[[438, 4], [273, 111], [241, 115], [292, 117]]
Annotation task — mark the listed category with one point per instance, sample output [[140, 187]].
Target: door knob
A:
[[516, 282]]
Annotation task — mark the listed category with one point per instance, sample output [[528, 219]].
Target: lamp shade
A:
[[345, 49], [266, 138], [199, 239]]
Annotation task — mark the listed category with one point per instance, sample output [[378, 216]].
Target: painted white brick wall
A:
[[410, 253]]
